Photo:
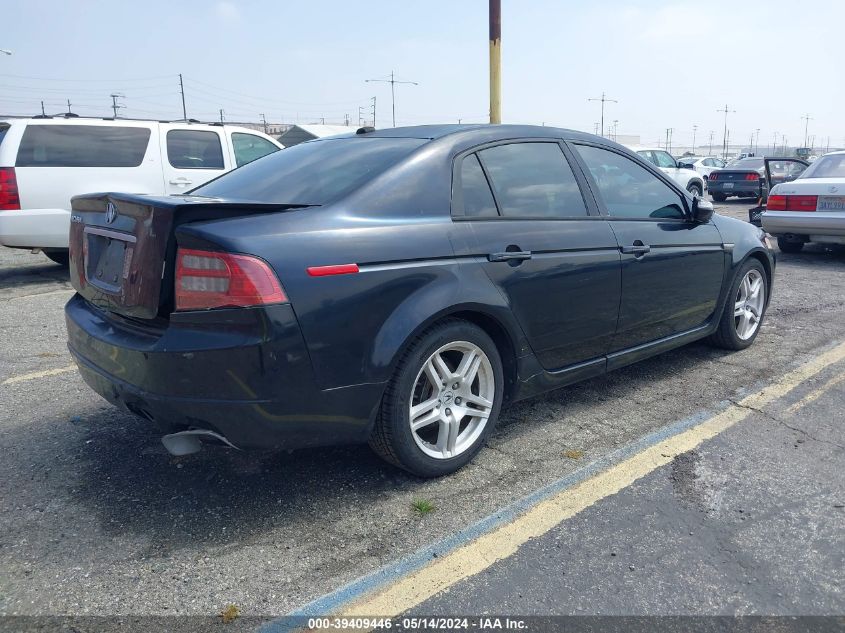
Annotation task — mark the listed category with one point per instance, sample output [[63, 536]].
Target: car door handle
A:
[[180, 181], [509, 256], [636, 250]]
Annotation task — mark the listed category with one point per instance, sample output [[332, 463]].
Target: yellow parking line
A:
[[481, 553], [814, 395], [37, 374]]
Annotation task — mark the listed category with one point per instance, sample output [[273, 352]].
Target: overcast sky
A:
[[669, 64]]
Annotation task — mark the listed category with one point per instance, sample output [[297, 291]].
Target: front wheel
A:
[[745, 308], [443, 400], [695, 189]]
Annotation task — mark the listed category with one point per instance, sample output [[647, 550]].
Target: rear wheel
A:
[[745, 308], [790, 246], [718, 197], [695, 189], [62, 258], [443, 400]]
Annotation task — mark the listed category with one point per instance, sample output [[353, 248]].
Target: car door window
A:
[[649, 156], [194, 149], [708, 162], [533, 180], [475, 190], [249, 147], [665, 160], [629, 190]]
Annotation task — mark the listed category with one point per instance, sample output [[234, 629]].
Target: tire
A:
[[432, 450], [731, 333], [695, 189], [62, 258], [718, 197], [790, 246]]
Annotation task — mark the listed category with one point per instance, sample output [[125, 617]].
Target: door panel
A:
[[191, 156]]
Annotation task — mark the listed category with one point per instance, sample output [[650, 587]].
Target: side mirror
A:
[[702, 210]]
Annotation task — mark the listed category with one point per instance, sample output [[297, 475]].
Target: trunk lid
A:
[[123, 246]]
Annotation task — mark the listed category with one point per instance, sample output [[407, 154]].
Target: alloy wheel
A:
[[452, 399], [748, 304]]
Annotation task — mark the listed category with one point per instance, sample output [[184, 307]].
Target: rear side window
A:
[[249, 147], [194, 149], [664, 159], [533, 180], [477, 198], [82, 146], [316, 172]]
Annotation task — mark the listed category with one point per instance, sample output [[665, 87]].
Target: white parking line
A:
[[37, 374]]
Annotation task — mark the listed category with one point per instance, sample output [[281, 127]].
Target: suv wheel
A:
[[745, 308], [443, 401]]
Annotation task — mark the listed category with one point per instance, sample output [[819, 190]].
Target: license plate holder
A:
[[831, 203], [728, 185], [108, 255]]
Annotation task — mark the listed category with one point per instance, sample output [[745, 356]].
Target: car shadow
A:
[[33, 274], [122, 475]]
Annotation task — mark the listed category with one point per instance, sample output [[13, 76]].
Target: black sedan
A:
[[398, 287], [746, 178]]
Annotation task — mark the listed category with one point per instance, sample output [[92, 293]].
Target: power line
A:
[[392, 81], [603, 100]]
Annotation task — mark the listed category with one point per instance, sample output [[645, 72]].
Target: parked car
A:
[[810, 208], [747, 178], [684, 177], [399, 287], [704, 165], [44, 162]]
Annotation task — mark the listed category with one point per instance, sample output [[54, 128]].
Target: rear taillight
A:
[[208, 279], [713, 176], [792, 203], [752, 176], [9, 198]]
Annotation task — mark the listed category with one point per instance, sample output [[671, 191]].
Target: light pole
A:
[[495, 19], [694, 130], [725, 137], [757, 142], [392, 81], [603, 100], [807, 118]]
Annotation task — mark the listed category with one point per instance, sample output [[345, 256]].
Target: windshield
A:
[[831, 166], [316, 172]]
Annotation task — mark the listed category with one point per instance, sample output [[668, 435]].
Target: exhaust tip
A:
[[189, 442]]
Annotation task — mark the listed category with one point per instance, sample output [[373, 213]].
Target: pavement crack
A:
[[785, 424]]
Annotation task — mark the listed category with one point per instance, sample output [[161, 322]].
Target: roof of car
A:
[[505, 131]]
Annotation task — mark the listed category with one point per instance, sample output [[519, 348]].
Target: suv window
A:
[[194, 149], [709, 162], [629, 190], [249, 147], [82, 146], [533, 180], [665, 160], [648, 155], [477, 198]]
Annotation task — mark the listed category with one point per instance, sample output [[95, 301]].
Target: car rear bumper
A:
[[35, 228], [740, 187], [816, 225], [243, 373]]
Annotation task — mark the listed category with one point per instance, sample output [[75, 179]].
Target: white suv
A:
[[44, 162], [685, 178]]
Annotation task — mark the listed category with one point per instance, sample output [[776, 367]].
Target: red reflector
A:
[[340, 269], [752, 176], [792, 203], [208, 279], [9, 198]]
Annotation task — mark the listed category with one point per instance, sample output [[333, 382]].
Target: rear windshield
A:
[[82, 146], [832, 166], [317, 172], [747, 163]]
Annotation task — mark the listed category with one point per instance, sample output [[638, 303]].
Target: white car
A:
[[702, 164], [685, 178], [44, 162], [810, 208]]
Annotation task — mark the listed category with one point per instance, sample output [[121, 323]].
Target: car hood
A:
[[812, 186]]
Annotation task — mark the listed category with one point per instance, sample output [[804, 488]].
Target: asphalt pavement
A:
[[96, 517]]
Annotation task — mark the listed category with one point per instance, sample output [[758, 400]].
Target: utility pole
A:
[[615, 128], [221, 115], [42, 109], [669, 131], [346, 119], [68, 107], [182, 90], [603, 100], [775, 145], [374, 111], [694, 130], [392, 81], [264, 121], [807, 118], [495, 19], [710, 151], [360, 116], [757, 142], [114, 104], [596, 128], [728, 143], [725, 136]]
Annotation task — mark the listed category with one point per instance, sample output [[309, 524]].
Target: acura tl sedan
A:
[[399, 287]]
